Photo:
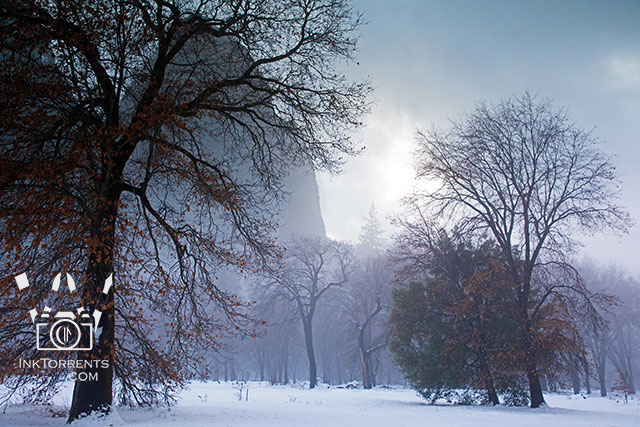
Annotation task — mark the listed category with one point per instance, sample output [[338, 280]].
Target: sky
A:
[[431, 61]]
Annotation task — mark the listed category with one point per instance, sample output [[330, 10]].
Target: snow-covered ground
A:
[[213, 404]]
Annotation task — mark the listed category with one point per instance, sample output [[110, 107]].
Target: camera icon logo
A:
[[65, 333], [66, 330]]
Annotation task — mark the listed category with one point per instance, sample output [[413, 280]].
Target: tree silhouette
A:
[[524, 173], [148, 138], [311, 267]]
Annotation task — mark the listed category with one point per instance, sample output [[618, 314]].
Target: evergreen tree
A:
[[451, 330], [371, 238]]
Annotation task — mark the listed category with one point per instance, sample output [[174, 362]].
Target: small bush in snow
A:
[[515, 396]]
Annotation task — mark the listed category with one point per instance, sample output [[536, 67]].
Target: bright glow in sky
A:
[[382, 174], [432, 60]]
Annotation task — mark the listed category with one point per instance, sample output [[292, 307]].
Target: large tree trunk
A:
[[93, 386], [366, 369], [527, 345], [535, 389], [308, 338]]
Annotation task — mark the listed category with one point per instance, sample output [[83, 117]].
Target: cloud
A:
[[624, 70], [382, 174]]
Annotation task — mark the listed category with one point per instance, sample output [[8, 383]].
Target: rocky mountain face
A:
[[301, 214]]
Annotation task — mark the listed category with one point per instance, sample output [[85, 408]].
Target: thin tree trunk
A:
[[364, 360], [630, 383], [575, 375], [233, 370], [366, 369], [585, 367], [602, 377], [374, 373], [544, 383], [308, 338], [492, 394], [286, 371], [488, 378]]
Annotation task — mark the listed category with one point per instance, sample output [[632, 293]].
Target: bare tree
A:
[[148, 138], [276, 350], [365, 300], [624, 343], [524, 173], [311, 267], [616, 339], [598, 335]]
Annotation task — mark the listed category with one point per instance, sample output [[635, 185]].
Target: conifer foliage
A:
[[453, 329]]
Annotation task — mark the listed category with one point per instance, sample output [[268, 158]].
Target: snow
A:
[[216, 404]]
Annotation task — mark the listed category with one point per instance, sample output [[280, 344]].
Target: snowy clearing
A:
[[214, 404]]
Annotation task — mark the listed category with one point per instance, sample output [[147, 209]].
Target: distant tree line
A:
[[478, 299], [326, 312]]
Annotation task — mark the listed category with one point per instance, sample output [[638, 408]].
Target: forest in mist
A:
[[162, 224]]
